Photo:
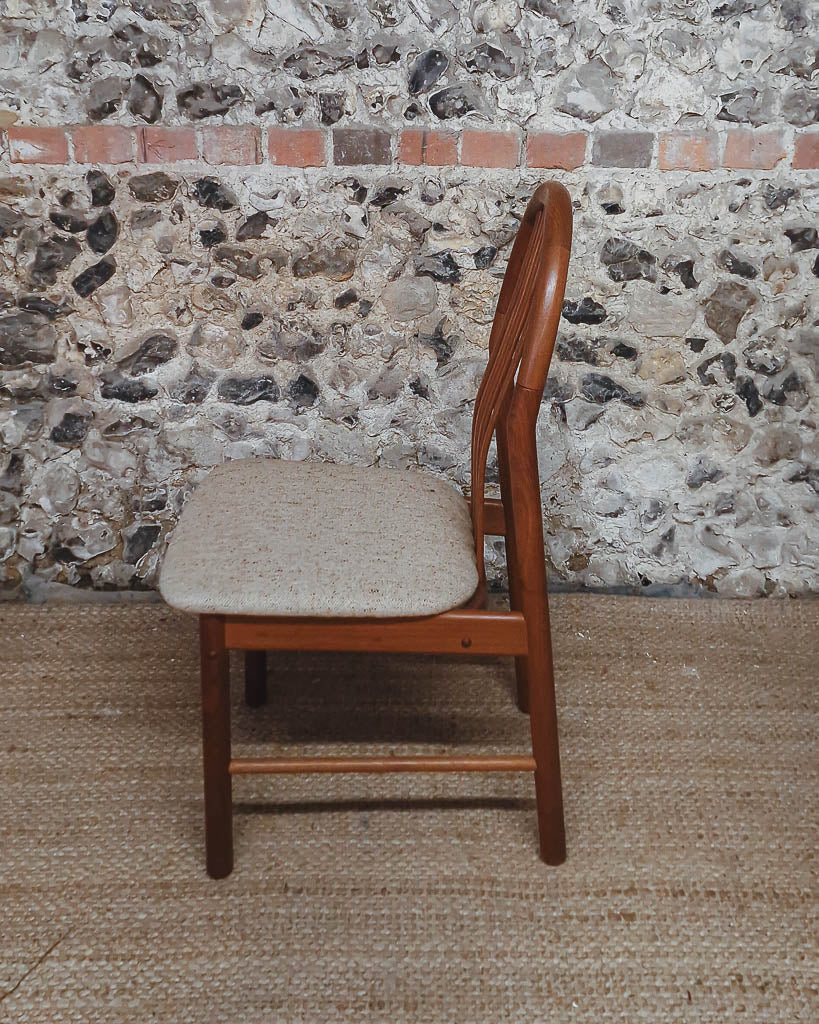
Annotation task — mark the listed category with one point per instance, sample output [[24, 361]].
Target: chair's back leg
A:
[[543, 721], [530, 570], [216, 746], [255, 678]]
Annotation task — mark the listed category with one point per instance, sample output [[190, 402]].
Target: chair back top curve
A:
[[523, 331]]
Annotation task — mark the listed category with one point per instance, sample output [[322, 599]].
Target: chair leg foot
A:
[[219, 865], [548, 790], [216, 747], [255, 678], [552, 837]]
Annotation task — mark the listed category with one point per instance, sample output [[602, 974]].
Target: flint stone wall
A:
[[231, 229]]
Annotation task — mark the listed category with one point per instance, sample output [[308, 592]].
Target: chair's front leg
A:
[[255, 678], [216, 746]]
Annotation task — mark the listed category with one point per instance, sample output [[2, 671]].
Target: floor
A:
[[688, 732]]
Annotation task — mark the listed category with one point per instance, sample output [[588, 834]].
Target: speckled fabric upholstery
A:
[[268, 537]]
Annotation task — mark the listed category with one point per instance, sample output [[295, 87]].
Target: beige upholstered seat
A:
[[267, 537]]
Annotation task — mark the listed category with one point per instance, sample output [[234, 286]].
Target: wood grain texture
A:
[[515, 598], [494, 517], [529, 570], [378, 765], [524, 329], [463, 631]]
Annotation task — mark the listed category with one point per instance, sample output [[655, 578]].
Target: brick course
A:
[[241, 145]]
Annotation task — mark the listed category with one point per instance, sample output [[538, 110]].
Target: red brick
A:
[[103, 144], [231, 144], [753, 150], [31, 145], [490, 149], [806, 151], [419, 146], [296, 147], [552, 149], [688, 151], [166, 145]]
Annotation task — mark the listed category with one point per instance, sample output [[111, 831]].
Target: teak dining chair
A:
[[275, 555]]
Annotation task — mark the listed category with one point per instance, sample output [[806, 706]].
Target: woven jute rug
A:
[[689, 895]]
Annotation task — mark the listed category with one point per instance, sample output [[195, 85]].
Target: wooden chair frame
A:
[[508, 402]]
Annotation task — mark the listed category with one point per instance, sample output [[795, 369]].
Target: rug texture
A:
[[690, 780]]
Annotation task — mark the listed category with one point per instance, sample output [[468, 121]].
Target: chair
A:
[[277, 556]]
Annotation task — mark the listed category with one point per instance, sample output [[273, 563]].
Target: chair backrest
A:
[[523, 330]]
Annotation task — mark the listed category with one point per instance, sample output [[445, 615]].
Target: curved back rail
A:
[[523, 335]]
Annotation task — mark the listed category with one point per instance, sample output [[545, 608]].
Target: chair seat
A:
[[270, 537]]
